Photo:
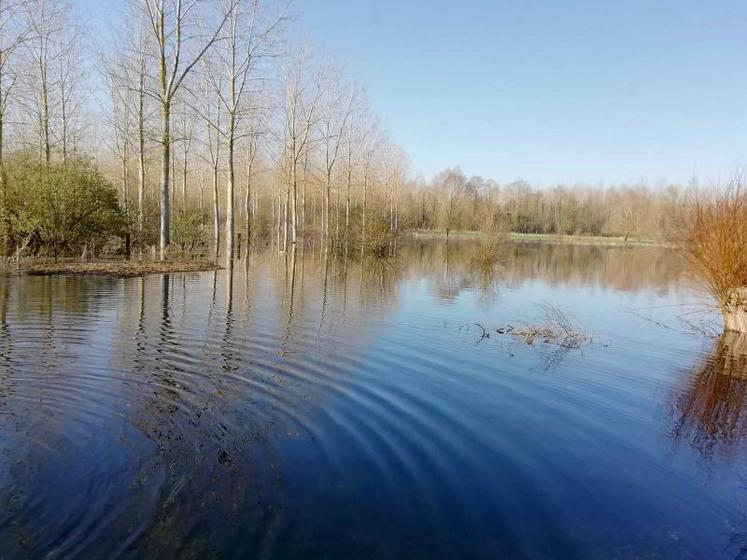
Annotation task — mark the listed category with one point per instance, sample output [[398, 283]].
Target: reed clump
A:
[[715, 243]]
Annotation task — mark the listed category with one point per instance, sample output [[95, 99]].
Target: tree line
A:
[[451, 201], [199, 123], [206, 118]]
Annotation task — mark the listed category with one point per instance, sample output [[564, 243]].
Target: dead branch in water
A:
[[558, 328]]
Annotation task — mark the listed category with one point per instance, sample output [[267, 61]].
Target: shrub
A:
[[715, 242], [379, 239], [491, 245], [187, 229], [61, 207]]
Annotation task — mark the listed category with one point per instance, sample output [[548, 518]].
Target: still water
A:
[[303, 407]]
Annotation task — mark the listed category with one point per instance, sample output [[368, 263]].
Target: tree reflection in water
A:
[[711, 413]]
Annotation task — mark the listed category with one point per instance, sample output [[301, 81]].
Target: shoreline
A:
[[543, 237], [138, 268], [119, 269]]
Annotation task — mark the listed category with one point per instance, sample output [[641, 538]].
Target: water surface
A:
[[307, 407]]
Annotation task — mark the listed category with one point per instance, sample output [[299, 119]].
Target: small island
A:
[[121, 269]]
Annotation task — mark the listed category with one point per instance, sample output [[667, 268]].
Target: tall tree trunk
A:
[[365, 208], [248, 204], [184, 182], [327, 205], [141, 187], [216, 210], [347, 207], [141, 158], [230, 188], [3, 188], [201, 202], [63, 104], [294, 214], [285, 217], [45, 125], [126, 202], [165, 240], [337, 214], [303, 193]]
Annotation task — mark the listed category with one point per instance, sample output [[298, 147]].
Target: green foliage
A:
[[379, 238], [188, 230], [61, 207]]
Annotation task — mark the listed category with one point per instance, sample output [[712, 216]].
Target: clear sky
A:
[[549, 91]]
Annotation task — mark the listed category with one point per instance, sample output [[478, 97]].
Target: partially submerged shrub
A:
[[491, 245], [715, 242], [379, 239]]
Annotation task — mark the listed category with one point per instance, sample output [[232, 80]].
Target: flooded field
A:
[[306, 407]]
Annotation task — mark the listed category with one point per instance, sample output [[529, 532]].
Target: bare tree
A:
[[186, 137], [70, 92], [180, 43], [451, 184], [338, 106], [252, 153], [249, 31], [137, 70], [122, 118], [45, 21], [302, 95], [13, 32], [130, 65], [213, 118], [370, 141]]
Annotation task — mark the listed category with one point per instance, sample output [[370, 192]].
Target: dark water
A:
[[302, 408]]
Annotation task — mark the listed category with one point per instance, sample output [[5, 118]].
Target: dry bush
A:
[[491, 245], [557, 328], [715, 243]]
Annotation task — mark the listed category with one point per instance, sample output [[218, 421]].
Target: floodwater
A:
[[303, 407]]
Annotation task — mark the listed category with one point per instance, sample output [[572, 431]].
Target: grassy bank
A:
[[548, 238], [121, 269]]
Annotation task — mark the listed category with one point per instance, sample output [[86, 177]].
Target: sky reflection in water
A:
[[307, 407]]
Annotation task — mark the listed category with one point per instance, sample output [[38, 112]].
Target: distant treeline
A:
[[453, 202]]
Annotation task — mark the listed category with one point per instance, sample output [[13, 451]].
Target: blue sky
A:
[[549, 91]]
